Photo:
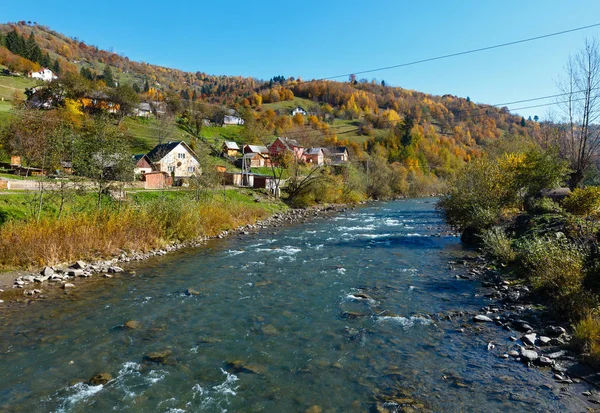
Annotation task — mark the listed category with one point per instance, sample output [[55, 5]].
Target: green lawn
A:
[[11, 84], [288, 105], [348, 129]]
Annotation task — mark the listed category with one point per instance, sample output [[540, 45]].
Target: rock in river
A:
[[158, 356], [132, 324], [529, 339], [482, 318], [101, 378], [529, 355]]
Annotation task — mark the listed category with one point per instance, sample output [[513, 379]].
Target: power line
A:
[[481, 49]]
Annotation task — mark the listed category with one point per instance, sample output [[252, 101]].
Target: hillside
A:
[[425, 135]]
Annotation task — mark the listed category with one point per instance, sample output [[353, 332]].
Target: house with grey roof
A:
[[175, 158]]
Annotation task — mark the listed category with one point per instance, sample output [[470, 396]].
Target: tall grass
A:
[[95, 235], [555, 267]]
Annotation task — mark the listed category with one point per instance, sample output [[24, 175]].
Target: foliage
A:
[[583, 201], [497, 245], [480, 194], [148, 224], [586, 337], [555, 266]]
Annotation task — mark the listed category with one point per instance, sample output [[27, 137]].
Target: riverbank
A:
[[15, 285], [533, 336]]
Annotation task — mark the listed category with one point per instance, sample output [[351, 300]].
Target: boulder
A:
[[47, 271], [482, 318], [191, 291], [513, 353], [114, 269], [529, 339], [158, 356], [544, 341], [529, 355], [101, 378], [79, 265], [132, 324], [75, 273], [545, 361], [555, 331], [67, 285]]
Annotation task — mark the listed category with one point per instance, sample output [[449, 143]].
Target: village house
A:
[[315, 156], [175, 158], [285, 144], [142, 164], [44, 74], [253, 160], [231, 149], [336, 155], [298, 110], [144, 110], [232, 118]]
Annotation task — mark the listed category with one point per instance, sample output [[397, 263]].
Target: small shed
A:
[[230, 148], [157, 180]]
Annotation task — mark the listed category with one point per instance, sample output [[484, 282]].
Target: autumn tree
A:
[[580, 105], [126, 98]]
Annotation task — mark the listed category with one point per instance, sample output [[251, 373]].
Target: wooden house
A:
[[231, 149]]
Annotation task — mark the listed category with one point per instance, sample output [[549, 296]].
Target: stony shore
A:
[[67, 275], [532, 336]]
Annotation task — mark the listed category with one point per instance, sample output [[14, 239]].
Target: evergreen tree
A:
[[46, 62], [523, 123], [136, 87], [146, 86], [185, 95], [15, 43], [108, 77], [2, 40], [56, 67], [194, 96], [32, 50]]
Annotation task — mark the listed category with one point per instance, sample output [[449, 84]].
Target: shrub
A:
[[586, 337], [583, 201], [543, 206], [497, 245], [555, 267]]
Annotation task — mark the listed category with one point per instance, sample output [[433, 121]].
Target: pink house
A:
[[286, 144]]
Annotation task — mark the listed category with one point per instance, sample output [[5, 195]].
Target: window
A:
[[171, 169], [181, 155], [191, 168]]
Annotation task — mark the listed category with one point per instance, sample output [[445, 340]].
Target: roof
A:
[[145, 106], [258, 148], [299, 107], [337, 150], [231, 145], [287, 142], [313, 151], [160, 151]]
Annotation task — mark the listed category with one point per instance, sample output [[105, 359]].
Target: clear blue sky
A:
[[315, 39]]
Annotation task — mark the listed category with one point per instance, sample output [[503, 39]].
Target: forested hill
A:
[[436, 134]]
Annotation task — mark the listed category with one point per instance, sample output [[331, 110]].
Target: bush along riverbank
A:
[[543, 252], [224, 219]]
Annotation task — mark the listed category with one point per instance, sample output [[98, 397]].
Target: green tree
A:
[[56, 67], [103, 156], [107, 76], [127, 99], [523, 123]]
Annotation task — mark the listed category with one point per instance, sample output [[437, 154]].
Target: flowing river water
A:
[[329, 315]]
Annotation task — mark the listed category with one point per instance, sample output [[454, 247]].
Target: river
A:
[[330, 316]]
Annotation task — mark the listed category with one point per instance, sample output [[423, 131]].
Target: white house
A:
[[175, 158], [232, 118], [300, 110], [45, 74]]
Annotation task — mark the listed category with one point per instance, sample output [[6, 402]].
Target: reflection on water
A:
[[332, 314]]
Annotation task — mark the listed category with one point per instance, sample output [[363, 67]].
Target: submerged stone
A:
[[101, 378]]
